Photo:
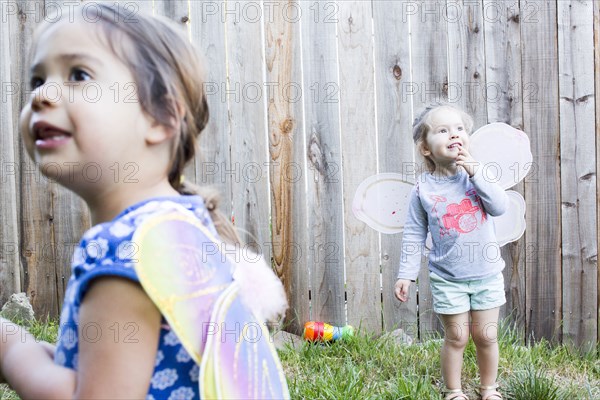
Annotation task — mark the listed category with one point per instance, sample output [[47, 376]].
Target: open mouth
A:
[[454, 145], [48, 136]]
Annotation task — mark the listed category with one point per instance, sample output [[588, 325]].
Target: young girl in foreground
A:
[[453, 201], [114, 342]]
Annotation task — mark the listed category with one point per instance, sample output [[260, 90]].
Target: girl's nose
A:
[[47, 95]]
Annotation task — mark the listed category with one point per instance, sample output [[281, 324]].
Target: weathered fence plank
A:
[[10, 266], [466, 58], [505, 104], [542, 186], [36, 192], [395, 144], [577, 168], [429, 40], [73, 214], [179, 12], [245, 91], [597, 94], [287, 155], [355, 46], [175, 10], [142, 5], [214, 154], [322, 143]]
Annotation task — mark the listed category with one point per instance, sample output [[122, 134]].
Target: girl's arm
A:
[[493, 197], [28, 366], [118, 338], [413, 239], [119, 362]]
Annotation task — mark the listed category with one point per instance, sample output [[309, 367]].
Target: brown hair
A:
[[169, 75], [422, 127]]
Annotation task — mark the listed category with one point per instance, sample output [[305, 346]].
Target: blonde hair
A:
[[169, 74], [422, 127]]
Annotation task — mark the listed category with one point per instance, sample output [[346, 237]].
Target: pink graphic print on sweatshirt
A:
[[461, 217], [434, 212], [473, 192]]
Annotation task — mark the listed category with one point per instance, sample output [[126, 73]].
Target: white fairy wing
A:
[[503, 151], [381, 201], [510, 226]]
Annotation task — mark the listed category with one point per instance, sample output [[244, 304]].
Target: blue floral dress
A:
[[107, 250]]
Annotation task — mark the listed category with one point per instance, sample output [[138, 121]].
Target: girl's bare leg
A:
[[456, 336], [484, 329]]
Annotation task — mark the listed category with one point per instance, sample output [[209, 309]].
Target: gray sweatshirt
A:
[[456, 211]]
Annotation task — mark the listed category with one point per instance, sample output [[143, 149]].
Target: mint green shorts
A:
[[450, 297]]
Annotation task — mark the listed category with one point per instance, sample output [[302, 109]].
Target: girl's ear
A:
[[159, 133], [424, 149]]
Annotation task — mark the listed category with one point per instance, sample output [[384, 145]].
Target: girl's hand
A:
[[466, 161], [401, 289]]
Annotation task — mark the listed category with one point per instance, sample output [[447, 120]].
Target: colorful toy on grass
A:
[[322, 332]]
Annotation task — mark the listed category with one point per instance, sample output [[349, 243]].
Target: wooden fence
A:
[[307, 99]]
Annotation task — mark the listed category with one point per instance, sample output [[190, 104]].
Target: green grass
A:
[[381, 369], [365, 367]]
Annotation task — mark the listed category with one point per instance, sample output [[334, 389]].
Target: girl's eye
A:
[[443, 130], [77, 74], [460, 128], [35, 82]]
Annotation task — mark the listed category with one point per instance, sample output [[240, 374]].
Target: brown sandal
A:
[[493, 395], [455, 394]]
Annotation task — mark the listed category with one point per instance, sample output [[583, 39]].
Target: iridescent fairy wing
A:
[[240, 362], [182, 272], [181, 267], [504, 153], [381, 201]]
